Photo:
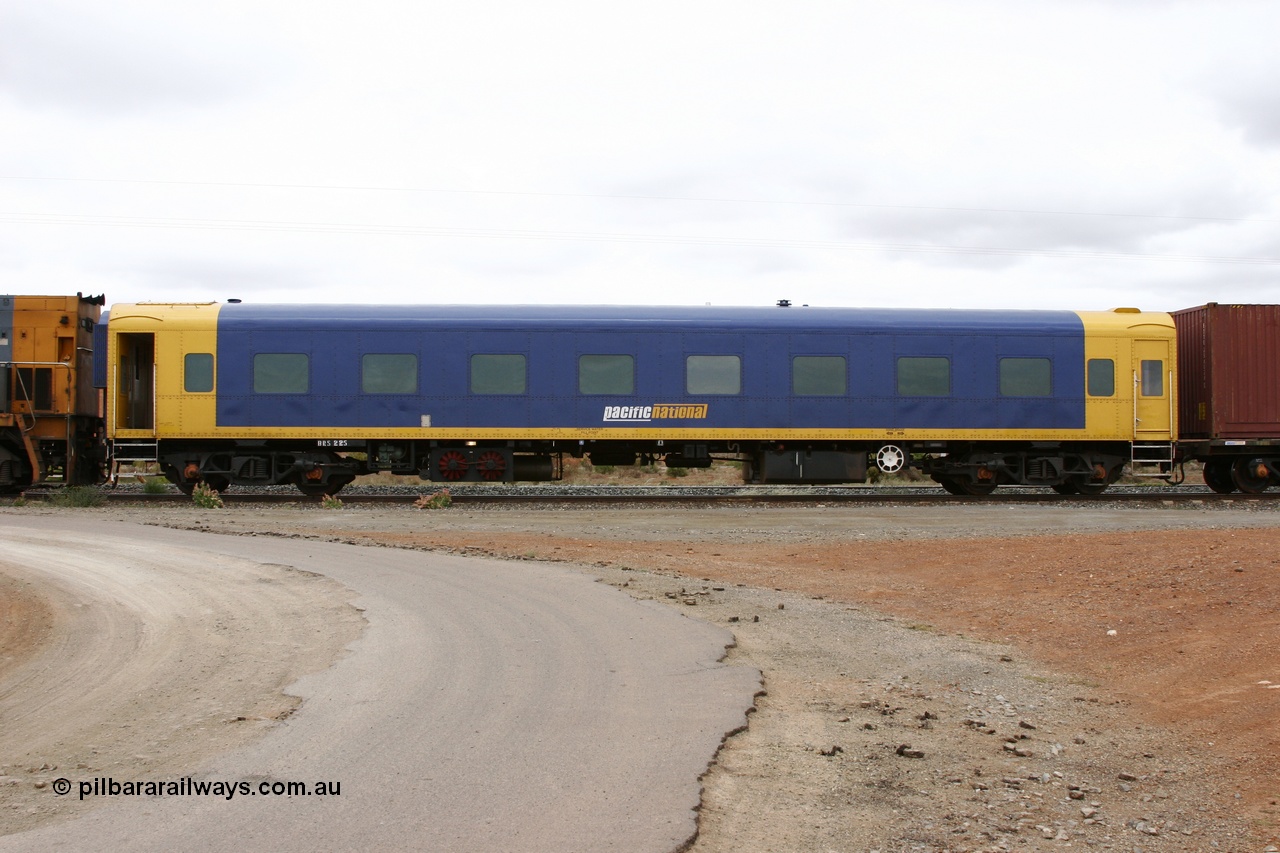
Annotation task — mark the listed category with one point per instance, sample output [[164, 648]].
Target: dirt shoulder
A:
[[956, 678]]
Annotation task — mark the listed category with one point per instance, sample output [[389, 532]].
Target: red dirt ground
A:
[[1196, 614]]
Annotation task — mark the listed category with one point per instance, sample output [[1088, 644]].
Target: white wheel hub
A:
[[890, 459]]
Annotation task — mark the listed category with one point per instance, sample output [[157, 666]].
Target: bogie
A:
[[1251, 475]]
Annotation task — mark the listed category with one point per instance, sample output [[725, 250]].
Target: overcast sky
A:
[[1008, 153]]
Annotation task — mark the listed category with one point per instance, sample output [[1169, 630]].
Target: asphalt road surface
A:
[[484, 705]]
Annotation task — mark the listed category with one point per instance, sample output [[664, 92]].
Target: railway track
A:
[[729, 495]]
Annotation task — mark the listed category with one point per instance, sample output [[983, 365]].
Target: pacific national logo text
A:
[[656, 412]]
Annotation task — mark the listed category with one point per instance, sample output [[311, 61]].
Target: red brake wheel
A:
[[492, 465], [452, 465]]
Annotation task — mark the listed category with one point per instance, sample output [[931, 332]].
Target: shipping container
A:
[[1228, 373]]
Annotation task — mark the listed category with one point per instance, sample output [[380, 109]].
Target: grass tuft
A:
[[438, 500], [78, 496], [205, 497]]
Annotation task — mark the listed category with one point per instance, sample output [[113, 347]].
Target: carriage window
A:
[[818, 375], [1026, 377], [498, 373], [1153, 378], [924, 377], [606, 374], [281, 373], [713, 374], [389, 373], [1102, 377], [197, 372]]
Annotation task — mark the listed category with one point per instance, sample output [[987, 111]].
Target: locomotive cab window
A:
[[389, 373], [1026, 377], [606, 374], [819, 376], [498, 373], [281, 373], [1152, 378], [35, 387], [713, 374], [1101, 377], [197, 372], [924, 377]]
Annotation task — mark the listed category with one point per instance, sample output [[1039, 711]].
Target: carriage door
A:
[[1152, 391], [136, 381]]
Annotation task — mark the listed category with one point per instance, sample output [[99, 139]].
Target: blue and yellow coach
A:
[[314, 395]]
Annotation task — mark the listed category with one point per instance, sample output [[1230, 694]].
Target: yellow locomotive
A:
[[50, 420]]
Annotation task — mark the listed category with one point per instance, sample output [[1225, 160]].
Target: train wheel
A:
[[217, 482], [1250, 476], [1065, 488], [956, 486], [320, 490], [173, 475], [15, 476], [1217, 476], [1086, 485], [949, 486], [492, 465], [452, 465]]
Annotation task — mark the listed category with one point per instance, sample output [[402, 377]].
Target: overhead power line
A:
[[639, 197], [600, 237]]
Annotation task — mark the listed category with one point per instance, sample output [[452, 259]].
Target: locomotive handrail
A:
[[65, 364], [26, 395], [1136, 420]]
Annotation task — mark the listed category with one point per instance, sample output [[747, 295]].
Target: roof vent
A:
[[1126, 310], [784, 303]]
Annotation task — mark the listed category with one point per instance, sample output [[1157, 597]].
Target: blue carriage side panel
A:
[[100, 369], [335, 338]]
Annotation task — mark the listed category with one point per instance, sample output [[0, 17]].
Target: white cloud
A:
[[100, 61], [685, 153]]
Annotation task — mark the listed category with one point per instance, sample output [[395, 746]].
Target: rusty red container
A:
[[1228, 371]]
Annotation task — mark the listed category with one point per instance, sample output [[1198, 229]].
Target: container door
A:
[[1152, 391]]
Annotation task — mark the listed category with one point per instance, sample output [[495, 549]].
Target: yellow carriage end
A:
[[166, 316], [1130, 359], [148, 347]]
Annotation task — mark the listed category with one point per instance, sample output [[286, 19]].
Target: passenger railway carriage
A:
[[314, 395]]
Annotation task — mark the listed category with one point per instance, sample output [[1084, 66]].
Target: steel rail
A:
[[732, 496]]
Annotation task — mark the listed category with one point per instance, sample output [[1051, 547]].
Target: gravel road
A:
[[479, 705]]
